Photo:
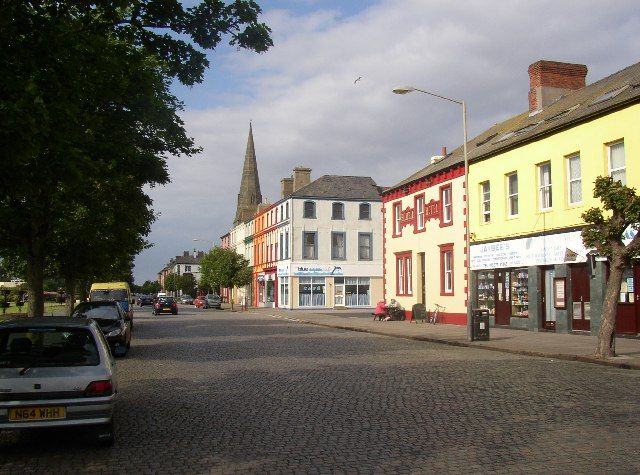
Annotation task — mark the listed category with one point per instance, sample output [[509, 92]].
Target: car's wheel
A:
[[105, 434], [174, 313]]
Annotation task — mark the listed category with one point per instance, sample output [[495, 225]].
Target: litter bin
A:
[[481, 324]]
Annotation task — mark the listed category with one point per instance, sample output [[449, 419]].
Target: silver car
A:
[[56, 372], [213, 301]]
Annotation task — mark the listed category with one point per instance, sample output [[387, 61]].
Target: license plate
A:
[[37, 413], [167, 308]]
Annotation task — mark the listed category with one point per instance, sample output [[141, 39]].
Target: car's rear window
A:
[[50, 346], [98, 312], [111, 294], [165, 299]]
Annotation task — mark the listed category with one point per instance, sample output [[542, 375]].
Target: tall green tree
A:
[[172, 282], [604, 231], [224, 267], [188, 284], [85, 93], [150, 287]]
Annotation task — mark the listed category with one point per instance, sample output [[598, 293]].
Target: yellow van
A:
[[118, 291]]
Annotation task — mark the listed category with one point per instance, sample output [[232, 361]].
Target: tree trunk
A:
[[609, 309], [35, 279], [70, 290]]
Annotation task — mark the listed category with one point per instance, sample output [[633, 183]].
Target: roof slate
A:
[[341, 188], [569, 109]]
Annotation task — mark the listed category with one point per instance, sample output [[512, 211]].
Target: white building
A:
[[330, 245]]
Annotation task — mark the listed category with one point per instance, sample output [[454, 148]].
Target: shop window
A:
[[338, 250], [617, 164], [403, 273], [574, 179], [520, 293], [485, 200], [309, 245], [337, 211], [486, 290], [397, 226], [311, 291], [626, 287], [365, 211], [309, 209], [512, 194], [357, 290], [446, 269], [364, 247], [545, 197], [446, 207], [420, 218]]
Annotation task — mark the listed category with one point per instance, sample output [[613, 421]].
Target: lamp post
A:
[[406, 90]]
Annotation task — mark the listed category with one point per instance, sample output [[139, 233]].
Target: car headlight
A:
[[115, 332]]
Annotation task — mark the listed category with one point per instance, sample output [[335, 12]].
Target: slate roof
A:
[[361, 188], [616, 91]]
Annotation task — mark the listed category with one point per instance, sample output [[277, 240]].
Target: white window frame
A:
[[511, 197], [448, 272], [420, 221], [619, 169], [397, 211], [447, 205], [571, 180], [485, 200], [545, 190]]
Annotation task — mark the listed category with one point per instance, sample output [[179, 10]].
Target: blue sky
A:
[[306, 109]]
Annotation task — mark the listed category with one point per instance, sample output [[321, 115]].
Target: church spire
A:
[[249, 196]]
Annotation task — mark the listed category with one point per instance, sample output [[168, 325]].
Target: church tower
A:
[[249, 196]]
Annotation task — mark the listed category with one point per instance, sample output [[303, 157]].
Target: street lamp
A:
[[406, 90]]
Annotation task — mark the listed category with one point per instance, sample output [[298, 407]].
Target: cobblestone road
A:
[[221, 392]]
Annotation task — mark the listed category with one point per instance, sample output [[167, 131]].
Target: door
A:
[[503, 303], [627, 314], [581, 300], [423, 286], [338, 291], [548, 310]]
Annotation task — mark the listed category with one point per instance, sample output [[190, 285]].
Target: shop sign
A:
[[539, 250], [629, 233], [283, 271], [317, 270]]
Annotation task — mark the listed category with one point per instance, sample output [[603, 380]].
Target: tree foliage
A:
[[605, 231], [85, 108], [224, 267]]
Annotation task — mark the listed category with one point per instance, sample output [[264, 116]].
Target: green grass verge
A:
[[49, 308]]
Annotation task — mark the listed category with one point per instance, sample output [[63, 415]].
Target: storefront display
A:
[[520, 293], [357, 291], [486, 291], [311, 291]]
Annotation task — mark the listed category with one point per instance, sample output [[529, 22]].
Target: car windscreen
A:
[[51, 346], [110, 294], [98, 312]]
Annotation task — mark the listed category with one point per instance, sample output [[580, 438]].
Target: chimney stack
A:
[[301, 177], [286, 187], [550, 79]]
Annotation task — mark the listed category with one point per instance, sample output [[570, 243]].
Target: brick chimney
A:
[[286, 187], [301, 177], [550, 79]]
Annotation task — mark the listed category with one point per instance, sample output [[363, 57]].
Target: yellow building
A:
[[424, 219], [531, 177]]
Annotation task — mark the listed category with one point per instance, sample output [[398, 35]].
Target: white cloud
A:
[[306, 109]]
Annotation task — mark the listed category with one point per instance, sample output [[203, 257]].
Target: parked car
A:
[[165, 305], [214, 300], [186, 299], [114, 322], [200, 302], [56, 372], [145, 300]]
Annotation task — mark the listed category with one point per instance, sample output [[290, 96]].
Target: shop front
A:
[[266, 288], [523, 282]]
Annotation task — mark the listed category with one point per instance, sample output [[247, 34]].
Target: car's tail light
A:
[[99, 388]]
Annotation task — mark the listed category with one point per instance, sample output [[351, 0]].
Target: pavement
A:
[[562, 346]]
